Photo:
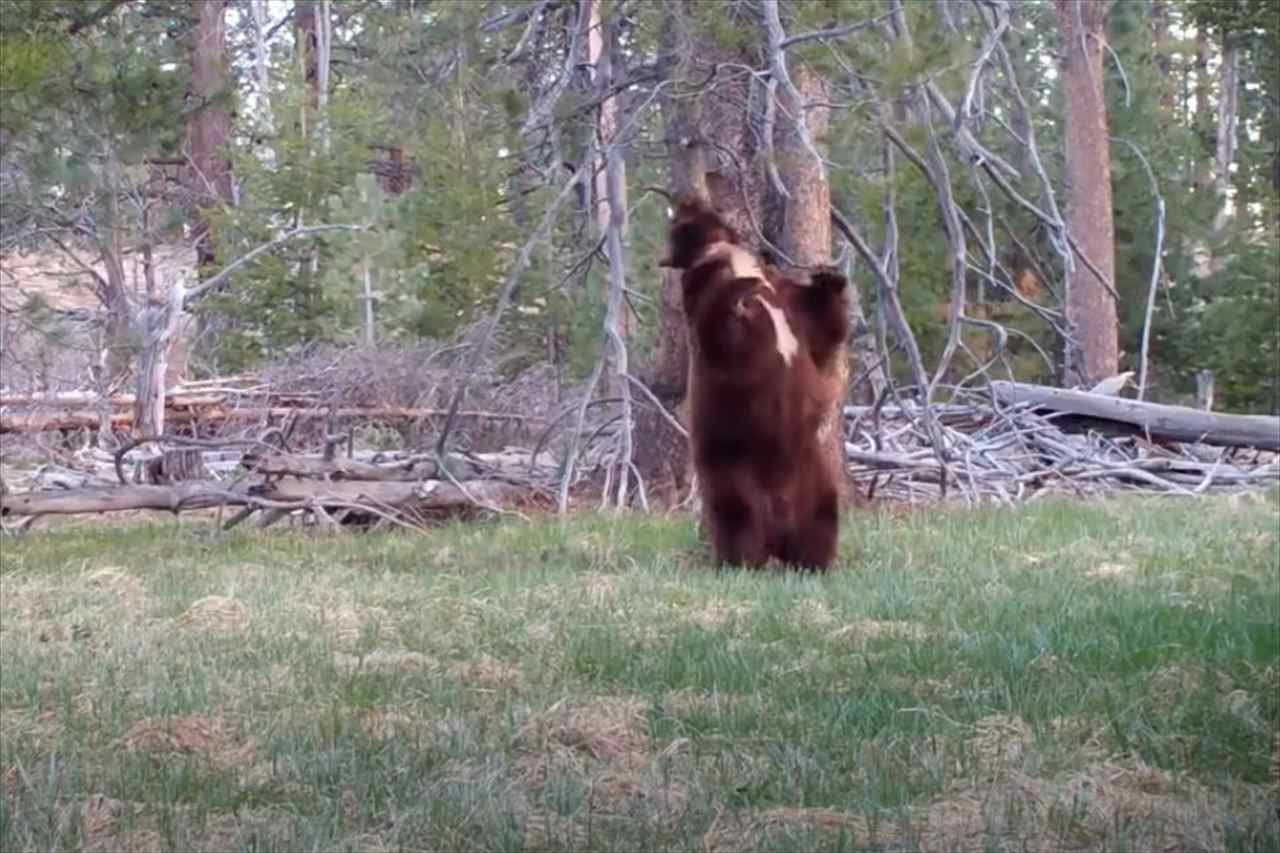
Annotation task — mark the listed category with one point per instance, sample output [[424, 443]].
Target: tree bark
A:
[[161, 324], [662, 452], [1228, 97], [210, 124], [803, 223], [1091, 311]]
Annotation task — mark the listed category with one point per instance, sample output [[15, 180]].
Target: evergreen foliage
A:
[[465, 95]]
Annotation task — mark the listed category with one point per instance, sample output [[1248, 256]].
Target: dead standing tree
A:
[[714, 130]]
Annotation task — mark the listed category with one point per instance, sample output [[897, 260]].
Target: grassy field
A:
[[1059, 677]]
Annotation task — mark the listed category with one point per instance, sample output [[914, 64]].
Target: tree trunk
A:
[[1160, 48], [258, 11], [306, 48], [1228, 94], [1203, 97], [210, 124], [161, 325], [602, 44], [699, 130], [1091, 311], [803, 222]]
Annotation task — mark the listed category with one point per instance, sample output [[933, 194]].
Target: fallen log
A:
[[173, 498], [45, 421], [300, 494], [504, 464], [177, 399], [1157, 420]]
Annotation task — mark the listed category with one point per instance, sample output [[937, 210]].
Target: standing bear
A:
[[760, 346]]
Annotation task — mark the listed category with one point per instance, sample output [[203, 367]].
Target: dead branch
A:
[[291, 494], [1157, 420], [218, 411]]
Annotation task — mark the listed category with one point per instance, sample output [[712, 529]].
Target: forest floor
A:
[[1062, 676]]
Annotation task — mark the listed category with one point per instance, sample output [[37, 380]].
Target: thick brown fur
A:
[[768, 489]]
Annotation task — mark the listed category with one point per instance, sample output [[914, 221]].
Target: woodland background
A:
[[420, 204]]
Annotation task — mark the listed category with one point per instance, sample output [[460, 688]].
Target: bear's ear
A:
[[828, 279]]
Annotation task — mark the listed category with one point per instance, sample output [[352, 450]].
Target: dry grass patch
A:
[[487, 674], [9, 782], [345, 625], [383, 724], [999, 743], [190, 734], [731, 833], [1275, 764], [862, 632], [693, 701], [36, 731], [811, 613], [1108, 804], [1110, 571], [601, 590], [1120, 801], [384, 661], [100, 820], [715, 613], [1088, 738], [215, 614], [117, 580], [605, 742], [540, 632], [608, 728]]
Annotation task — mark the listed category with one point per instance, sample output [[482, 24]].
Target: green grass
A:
[[1061, 676]]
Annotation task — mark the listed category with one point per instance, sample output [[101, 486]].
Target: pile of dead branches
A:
[[365, 490], [1006, 443], [1020, 442]]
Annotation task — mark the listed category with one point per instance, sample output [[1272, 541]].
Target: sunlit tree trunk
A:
[[662, 453], [1091, 310], [803, 221], [708, 139], [210, 124]]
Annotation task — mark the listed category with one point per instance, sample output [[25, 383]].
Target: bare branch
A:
[[833, 32], [1155, 264], [210, 283]]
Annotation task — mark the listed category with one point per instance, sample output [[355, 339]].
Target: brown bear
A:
[[758, 395]]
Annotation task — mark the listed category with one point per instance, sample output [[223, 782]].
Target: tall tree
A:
[[801, 220], [1091, 308], [209, 123], [662, 451]]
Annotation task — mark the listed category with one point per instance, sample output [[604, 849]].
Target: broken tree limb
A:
[[294, 494], [421, 467], [48, 420], [1158, 420], [172, 498]]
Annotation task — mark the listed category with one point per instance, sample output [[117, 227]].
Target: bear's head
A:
[[695, 227], [734, 311]]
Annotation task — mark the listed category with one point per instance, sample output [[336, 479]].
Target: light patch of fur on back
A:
[[742, 263], [785, 339]]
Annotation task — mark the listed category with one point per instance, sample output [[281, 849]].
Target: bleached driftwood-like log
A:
[[41, 421], [1158, 420], [387, 496], [173, 498], [508, 464]]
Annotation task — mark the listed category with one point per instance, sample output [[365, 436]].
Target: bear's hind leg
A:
[[811, 542], [737, 533]]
